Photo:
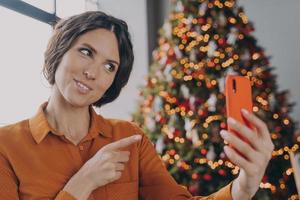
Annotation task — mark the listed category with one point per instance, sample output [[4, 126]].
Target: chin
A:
[[78, 103]]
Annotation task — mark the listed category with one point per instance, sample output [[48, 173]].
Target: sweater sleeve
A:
[[157, 183]]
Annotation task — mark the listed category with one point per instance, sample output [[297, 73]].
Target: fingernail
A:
[[223, 133], [137, 137], [245, 111], [231, 120]]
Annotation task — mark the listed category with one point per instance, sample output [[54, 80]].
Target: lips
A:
[[83, 88]]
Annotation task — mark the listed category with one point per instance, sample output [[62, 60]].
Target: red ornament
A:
[[200, 112], [277, 129], [203, 151], [223, 125], [222, 172], [162, 120], [207, 177], [172, 152], [185, 104], [169, 60], [195, 176], [184, 37], [193, 189], [177, 133], [221, 41], [201, 21]]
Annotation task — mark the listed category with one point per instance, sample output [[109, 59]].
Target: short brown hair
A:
[[68, 30]]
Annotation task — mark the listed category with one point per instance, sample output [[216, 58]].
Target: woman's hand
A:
[[256, 154], [104, 167]]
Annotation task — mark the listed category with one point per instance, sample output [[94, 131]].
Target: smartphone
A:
[[238, 95]]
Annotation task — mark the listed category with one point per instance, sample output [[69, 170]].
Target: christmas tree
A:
[[182, 104]]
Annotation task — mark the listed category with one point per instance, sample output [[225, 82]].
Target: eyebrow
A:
[[94, 50]]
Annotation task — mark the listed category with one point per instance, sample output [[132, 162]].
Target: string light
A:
[[204, 136], [289, 171], [286, 157], [255, 56], [205, 27], [206, 37], [261, 101], [241, 36], [232, 20], [212, 118], [286, 122], [255, 109], [282, 186], [274, 136], [227, 63], [258, 70], [235, 57], [229, 4], [181, 46], [268, 186], [235, 171], [280, 151], [214, 165], [275, 116], [243, 17]]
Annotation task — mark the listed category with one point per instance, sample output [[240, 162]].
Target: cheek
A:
[[67, 67], [58, 74], [105, 83], [63, 76]]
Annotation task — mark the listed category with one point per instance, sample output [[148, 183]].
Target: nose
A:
[[91, 70], [89, 74]]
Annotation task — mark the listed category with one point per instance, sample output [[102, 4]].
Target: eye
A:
[[86, 51], [110, 67]]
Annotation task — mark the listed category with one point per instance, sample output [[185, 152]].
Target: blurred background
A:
[[26, 28]]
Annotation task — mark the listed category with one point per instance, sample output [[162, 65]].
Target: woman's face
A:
[[88, 68]]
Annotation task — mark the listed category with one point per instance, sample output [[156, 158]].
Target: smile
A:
[[82, 87]]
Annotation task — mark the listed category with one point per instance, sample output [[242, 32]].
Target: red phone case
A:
[[238, 95]]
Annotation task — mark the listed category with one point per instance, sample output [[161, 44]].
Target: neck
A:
[[71, 121]]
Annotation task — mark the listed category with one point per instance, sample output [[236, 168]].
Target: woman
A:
[[67, 151]]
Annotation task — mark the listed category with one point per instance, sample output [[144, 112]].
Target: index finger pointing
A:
[[123, 142]]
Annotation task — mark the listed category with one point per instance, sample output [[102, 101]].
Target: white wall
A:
[[277, 27], [23, 41]]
